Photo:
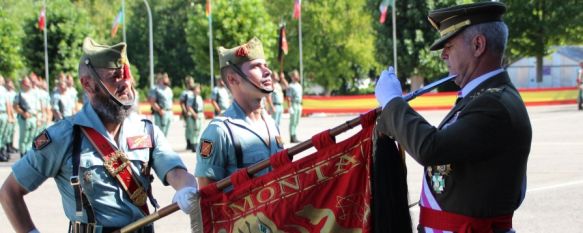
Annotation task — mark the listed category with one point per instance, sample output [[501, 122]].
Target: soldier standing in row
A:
[[186, 99], [294, 98], [245, 134], [220, 97], [275, 100], [5, 117], [62, 104], [197, 114], [9, 133], [101, 157], [27, 107], [160, 98]]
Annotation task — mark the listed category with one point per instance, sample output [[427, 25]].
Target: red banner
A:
[[328, 191]]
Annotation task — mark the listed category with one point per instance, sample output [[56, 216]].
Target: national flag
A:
[[383, 8], [208, 9], [282, 42], [116, 22], [297, 9], [42, 19]]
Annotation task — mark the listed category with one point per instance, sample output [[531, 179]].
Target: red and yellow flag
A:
[[208, 8]]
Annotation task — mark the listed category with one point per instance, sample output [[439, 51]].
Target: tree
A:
[[537, 25], [67, 26], [10, 49], [338, 41], [414, 36], [234, 22], [170, 45]]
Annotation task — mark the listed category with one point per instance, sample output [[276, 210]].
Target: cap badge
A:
[[243, 51]]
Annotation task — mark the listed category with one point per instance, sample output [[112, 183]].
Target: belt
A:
[[79, 227], [276, 103], [444, 220]]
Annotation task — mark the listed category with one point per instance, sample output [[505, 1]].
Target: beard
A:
[[108, 110]]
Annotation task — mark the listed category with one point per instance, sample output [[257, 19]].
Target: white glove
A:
[[184, 199], [388, 87]]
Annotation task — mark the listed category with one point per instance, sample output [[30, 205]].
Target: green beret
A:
[[452, 20], [243, 53], [103, 56]]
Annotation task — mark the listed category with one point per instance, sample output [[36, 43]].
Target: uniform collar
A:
[[477, 81]]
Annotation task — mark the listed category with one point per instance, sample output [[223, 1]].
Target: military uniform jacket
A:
[[52, 157], [163, 96], [476, 166], [216, 158]]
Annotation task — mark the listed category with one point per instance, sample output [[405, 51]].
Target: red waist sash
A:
[[443, 220]]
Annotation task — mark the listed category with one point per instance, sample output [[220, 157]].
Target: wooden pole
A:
[[221, 184]]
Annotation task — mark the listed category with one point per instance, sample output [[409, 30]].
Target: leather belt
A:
[[79, 227]]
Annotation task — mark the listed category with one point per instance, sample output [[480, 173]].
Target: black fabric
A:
[[85, 228], [390, 202], [81, 201], [147, 170]]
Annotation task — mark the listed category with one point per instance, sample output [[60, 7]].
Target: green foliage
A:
[[12, 14], [170, 47], [537, 25], [414, 36], [66, 26], [234, 22], [10, 47], [337, 39]]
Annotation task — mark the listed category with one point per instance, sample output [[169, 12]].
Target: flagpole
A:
[[301, 56], [151, 44], [395, 35], [45, 40], [210, 18], [123, 15]]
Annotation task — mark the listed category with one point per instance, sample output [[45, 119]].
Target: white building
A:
[[559, 69]]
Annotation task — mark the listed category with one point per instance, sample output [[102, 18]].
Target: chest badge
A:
[[438, 174], [139, 142]]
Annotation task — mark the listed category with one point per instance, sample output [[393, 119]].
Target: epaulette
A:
[[492, 90]]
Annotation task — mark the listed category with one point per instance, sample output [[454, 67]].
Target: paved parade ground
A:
[[553, 202]]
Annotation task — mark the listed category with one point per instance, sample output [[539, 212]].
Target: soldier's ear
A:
[[87, 84]]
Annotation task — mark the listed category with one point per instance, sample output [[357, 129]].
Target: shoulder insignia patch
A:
[[139, 142], [42, 140], [206, 148]]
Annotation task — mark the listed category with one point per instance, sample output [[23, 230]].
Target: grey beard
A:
[[108, 110]]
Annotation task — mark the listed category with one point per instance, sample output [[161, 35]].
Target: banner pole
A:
[[221, 184]]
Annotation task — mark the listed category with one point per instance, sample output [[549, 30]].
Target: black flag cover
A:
[[389, 188]]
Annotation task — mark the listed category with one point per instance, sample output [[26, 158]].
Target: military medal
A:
[[438, 174]]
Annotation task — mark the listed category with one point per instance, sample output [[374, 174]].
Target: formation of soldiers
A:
[[33, 108]]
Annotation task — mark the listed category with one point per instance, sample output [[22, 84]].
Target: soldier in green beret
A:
[[244, 134], [475, 160], [101, 157]]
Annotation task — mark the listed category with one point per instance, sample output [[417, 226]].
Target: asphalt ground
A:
[[553, 202]]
